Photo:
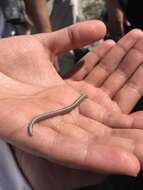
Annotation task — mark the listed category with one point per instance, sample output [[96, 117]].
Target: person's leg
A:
[[62, 14]]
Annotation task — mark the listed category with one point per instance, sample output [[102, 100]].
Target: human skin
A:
[[38, 12], [70, 179], [27, 89]]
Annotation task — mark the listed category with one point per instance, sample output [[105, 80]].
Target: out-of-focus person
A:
[[124, 15], [37, 12], [13, 19]]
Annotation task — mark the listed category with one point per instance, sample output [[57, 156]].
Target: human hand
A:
[[120, 78], [24, 83], [116, 69]]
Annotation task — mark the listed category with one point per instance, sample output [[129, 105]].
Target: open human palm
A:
[[80, 139]]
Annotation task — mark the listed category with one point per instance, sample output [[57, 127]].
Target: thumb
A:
[[74, 36]]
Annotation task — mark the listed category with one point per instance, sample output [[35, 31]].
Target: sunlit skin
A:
[[89, 137]]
